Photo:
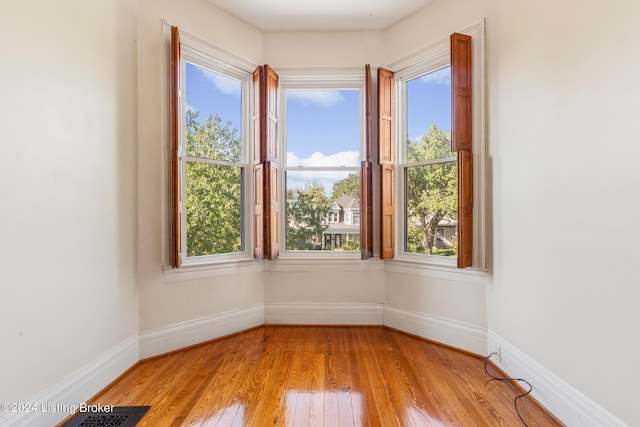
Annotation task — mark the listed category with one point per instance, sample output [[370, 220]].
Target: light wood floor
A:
[[320, 376]]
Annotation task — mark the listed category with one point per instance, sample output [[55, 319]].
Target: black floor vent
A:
[[121, 416]]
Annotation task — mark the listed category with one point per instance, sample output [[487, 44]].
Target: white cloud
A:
[[323, 98], [297, 179], [190, 108], [440, 77], [223, 84], [342, 158]]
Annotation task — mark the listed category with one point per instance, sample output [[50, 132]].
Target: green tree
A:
[[307, 209], [350, 185], [213, 191], [431, 189]]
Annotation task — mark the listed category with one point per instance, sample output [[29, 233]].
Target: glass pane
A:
[[432, 209], [213, 115], [323, 210], [214, 209], [323, 127], [429, 116]]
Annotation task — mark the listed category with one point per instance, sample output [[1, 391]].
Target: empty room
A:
[[239, 212]]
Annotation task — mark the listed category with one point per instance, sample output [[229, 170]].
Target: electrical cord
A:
[[515, 401]]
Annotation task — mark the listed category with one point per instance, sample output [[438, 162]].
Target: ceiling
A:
[[321, 15]]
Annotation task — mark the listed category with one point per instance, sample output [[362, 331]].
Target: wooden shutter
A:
[[366, 178], [461, 142], [465, 209], [176, 220], [385, 158], [265, 168], [258, 169], [461, 92], [272, 207]]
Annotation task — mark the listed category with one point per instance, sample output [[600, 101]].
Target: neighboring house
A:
[[344, 225], [446, 232], [343, 221]]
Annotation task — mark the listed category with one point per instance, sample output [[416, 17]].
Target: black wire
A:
[[515, 401]]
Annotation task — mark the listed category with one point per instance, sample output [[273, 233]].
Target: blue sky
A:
[[323, 126], [211, 93], [429, 102], [323, 121]]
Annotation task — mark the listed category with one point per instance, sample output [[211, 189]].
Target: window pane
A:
[[323, 127], [431, 209], [429, 116], [214, 209], [213, 115], [323, 210]]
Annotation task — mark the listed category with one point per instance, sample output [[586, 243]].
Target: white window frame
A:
[[432, 58], [206, 56], [315, 79]]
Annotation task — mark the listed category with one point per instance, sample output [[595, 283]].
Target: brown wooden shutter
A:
[[465, 209], [461, 142], [461, 92], [265, 168], [385, 158], [272, 207], [176, 220], [366, 178], [258, 169]]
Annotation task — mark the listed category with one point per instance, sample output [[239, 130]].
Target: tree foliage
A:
[[213, 191], [431, 189], [307, 208], [350, 185]]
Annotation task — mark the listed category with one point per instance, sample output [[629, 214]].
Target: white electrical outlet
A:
[[499, 354]]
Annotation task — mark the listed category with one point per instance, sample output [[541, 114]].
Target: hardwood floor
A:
[[320, 376]]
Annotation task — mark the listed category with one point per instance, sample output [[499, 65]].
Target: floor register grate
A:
[[120, 416]]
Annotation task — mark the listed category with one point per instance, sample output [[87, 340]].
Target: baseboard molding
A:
[[179, 335], [77, 387], [324, 314], [446, 331], [565, 402]]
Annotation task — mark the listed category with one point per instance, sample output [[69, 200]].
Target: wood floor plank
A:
[[299, 376], [219, 402], [342, 374]]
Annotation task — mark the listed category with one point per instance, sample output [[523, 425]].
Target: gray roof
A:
[[341, 228], [347, 202]]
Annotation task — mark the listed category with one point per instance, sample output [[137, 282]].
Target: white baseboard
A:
[[324, 314], [446, 331], [179, 335], [565, 402], [77, 387]]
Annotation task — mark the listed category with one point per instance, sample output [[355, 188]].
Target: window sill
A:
[[316, 263], [311, 263], [196, 271]]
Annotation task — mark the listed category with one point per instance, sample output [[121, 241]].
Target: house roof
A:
[[341, 228], [347, 202], [447, 222]]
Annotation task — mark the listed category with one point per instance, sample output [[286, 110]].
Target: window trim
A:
[[431, 58], [204, 55], [347, 78], [437, 62]]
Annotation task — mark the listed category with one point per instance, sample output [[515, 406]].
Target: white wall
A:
[[68, 188], [327, 292], [161, 303], [563, 102], [321, 49], [444, 306]]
